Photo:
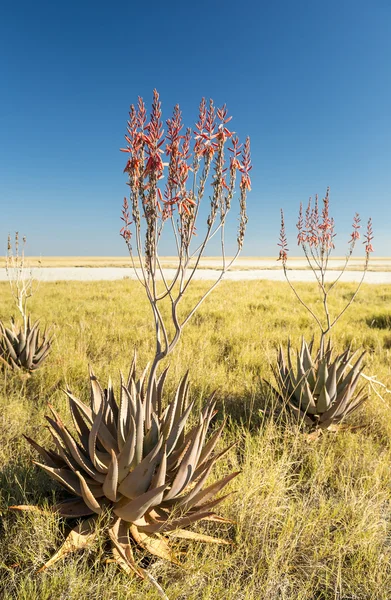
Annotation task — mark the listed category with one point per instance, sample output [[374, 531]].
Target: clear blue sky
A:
[[309, 81]]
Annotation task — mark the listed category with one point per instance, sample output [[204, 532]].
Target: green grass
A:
[[313, 519]]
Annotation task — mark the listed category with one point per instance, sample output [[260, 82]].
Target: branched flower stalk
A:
[[316, 238], [170, 194], [20, 276]]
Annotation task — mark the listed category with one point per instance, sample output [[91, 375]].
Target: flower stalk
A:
[[316, 238], [168, 176]]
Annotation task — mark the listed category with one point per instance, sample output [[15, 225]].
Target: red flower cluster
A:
[[368, 237], [125, 231], [145, 166], [355, 235], [283, 255], [315, 230], [245, 167]]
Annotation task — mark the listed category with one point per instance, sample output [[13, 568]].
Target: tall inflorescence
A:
[[315, 236], [19, 275], [169, 173]]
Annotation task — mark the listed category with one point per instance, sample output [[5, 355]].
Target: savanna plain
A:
[[311, 517]]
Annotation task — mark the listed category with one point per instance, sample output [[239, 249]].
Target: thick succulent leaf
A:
[[11, 335], [187, 467], [111, 481], [351, 375], [304, 398], [159, 478], [324, 401], [81, 537], [159, 392], [21, 343], [139, 419], [156, 545], [141, 381], [172, 409], [213, 518], [301, 373], [186, 498], [135, 509], [125, 411], [210, 445], [171, 524], [43, 350], [338, 408], [205, 464], [177, 429], [125, 457], [208, 493], [122, 550], [80, 425], [132, 370], [51, 458], [308, 364], [67, 478], [10, 348], [75, 451], [108, 418], [111, 399], [151, 438], [92, 439], [97, 396], [176, 457], [29, 508], [138, 481], [185, 534], [331, 384], [343, 364], [72, 508], [83, 408], [321, 377], [88, 495]]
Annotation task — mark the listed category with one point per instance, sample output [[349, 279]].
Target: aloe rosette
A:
[[24, 348], [134, 460], [321, 389]]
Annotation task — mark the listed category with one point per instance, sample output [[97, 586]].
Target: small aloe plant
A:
[[323, 389], [22, 346], [151, 484]]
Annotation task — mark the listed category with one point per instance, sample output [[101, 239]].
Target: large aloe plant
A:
[[135, 461], [321, 389]]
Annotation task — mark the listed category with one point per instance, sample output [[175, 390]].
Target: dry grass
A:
[[312, 519]]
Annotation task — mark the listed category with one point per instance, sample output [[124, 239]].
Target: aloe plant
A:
[[321, 389], [134, 461], [24, 348]]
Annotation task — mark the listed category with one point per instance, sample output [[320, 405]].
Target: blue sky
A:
[[309, 81]]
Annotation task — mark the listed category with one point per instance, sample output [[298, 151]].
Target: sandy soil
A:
[[113, 273]]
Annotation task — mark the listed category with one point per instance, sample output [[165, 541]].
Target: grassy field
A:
[[312, 518]]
